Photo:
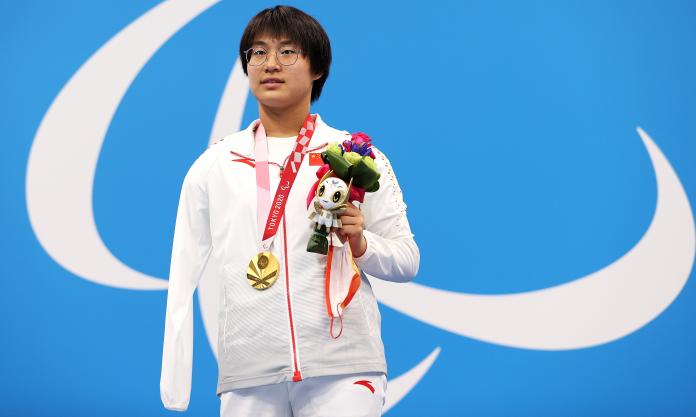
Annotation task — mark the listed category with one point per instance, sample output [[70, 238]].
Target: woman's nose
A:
[[272, 61]]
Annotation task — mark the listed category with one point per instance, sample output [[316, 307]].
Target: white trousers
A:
[[348, 395]]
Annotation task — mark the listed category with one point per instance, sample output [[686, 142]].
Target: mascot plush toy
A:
[[348, 172], [329, 203]]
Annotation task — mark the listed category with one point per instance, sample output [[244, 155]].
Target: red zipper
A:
[[297, 376]]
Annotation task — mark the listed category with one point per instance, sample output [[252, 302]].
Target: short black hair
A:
[[297, 26]]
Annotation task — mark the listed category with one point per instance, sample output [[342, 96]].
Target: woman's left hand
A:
[[352, 230]]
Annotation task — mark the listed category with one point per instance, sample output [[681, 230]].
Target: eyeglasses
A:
[[285, 55]]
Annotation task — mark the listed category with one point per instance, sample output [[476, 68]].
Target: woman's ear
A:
[[316, 77]]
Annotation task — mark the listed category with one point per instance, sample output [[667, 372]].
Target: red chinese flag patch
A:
[[315, 159]]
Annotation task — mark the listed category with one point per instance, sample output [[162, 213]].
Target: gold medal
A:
[[263, 270]]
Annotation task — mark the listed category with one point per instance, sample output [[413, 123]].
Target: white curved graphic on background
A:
[[598, 308], [399, 387], [64, 154], [231, 108]]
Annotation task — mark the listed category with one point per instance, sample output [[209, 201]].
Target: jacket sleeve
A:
[[191, 249], [391, 252]]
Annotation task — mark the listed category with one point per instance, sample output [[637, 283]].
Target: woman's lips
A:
[[272, 84]]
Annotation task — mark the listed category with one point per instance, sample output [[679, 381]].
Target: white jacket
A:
[[281, 333]]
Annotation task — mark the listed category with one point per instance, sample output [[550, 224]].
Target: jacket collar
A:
[[322, 133]]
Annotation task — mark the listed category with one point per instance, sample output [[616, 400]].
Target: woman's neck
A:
[[285, 122]]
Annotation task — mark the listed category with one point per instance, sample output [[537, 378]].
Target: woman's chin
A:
[[274, 101]]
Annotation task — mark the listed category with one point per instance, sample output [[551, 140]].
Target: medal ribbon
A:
[[276, 208]]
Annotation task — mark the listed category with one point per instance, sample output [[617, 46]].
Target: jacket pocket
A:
[[255, 333]]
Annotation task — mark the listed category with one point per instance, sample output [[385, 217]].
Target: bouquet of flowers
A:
[[349, 171]]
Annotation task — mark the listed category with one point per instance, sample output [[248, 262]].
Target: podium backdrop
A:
[[546, 151]]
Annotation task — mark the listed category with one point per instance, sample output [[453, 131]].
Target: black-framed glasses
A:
[[285, 56]]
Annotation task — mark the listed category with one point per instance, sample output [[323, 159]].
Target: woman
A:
[[283, 348]]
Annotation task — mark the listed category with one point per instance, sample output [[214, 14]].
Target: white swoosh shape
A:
[[64, 154], [399, 387], [598, 308], [231, 108]]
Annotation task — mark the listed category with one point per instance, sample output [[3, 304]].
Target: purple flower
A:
[[347, 146], [361, 138], [360, 143]]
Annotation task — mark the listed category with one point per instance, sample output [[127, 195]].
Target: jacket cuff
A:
[[369, 252], [176, 407]]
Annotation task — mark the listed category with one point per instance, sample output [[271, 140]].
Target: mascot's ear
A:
[[348, 190]]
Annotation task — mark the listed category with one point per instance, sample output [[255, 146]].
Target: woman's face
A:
[[293, 82]]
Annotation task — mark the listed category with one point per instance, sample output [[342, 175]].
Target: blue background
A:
[[522, 113]]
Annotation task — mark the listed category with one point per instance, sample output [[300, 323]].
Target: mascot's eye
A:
[[321, 190], [336, 196]]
